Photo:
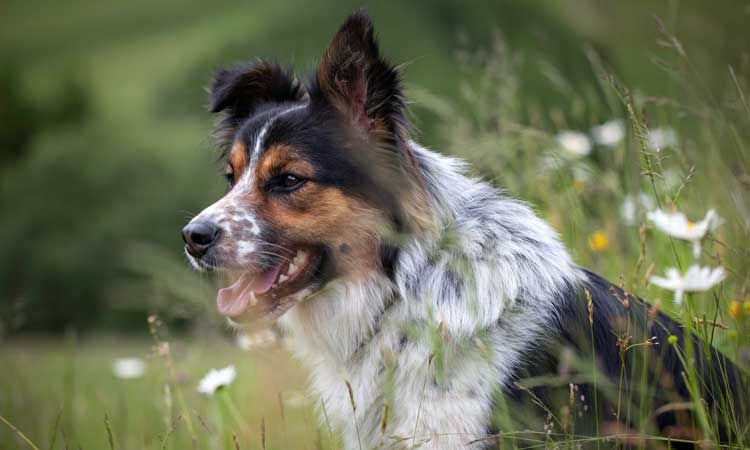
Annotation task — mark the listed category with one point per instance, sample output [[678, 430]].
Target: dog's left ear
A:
[[357, 81]]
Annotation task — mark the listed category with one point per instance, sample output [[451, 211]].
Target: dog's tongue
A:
[[264, 280], [234, 300]]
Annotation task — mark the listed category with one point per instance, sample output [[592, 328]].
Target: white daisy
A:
[[676, 224], [216, 379], [659, 138], [696, 279], [609, 133], [128, 368], [632, 205], [574, 143]]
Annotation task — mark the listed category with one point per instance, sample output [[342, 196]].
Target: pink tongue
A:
[[264, 280], [234, 300]]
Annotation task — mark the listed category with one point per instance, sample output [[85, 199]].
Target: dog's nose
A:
[[199, 237]]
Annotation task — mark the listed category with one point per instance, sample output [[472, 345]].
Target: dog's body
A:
[[491, 291], [414, 293]]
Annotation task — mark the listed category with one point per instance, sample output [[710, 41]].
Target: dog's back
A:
[[618, 366]]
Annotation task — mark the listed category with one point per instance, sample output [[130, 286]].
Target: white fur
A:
[[439, 341], [239, 225]]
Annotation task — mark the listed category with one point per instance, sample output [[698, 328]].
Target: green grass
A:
[[122, 179], [62, 392]]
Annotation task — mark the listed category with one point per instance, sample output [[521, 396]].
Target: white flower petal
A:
[[660, 138], [632, 211], [574, 143], [127, 368], [696, 279], [609, 133], [677, 225], [216, 379]]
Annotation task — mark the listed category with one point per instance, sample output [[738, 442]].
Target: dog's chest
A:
[[406, 385]]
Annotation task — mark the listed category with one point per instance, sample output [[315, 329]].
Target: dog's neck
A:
[[486, 286]]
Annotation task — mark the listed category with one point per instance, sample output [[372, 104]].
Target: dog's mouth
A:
[[268, 293]]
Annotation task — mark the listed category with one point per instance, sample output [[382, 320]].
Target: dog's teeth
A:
[[283, 278], [253, 300], [292, 269]]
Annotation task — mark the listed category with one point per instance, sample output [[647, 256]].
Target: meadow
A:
[[596, 116]]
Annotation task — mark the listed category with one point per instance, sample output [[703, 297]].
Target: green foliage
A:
[[105, 155]]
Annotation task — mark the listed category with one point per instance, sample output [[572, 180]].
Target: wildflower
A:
[[216, 379], [632, 204], [599, 241], [672, 339], [677, 225], [735, 309], [574, 143], [659, 138], [696, 279], [127, 368], [609, 133]]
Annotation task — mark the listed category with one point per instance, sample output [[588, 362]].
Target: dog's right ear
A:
[[239, 90]]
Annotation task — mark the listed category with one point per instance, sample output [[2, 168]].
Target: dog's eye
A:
[[229, 176], [290, 180], [286, 182]]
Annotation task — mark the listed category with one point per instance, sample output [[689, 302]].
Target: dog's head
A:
[[320, 178]]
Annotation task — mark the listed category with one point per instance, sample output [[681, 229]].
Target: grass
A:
[[61, 393], [65, 395]]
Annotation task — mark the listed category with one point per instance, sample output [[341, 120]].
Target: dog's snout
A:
[[200, 236]]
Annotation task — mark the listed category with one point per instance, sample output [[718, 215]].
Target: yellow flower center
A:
[[579, 185], [599, 241], [690, 225], [735, 309]]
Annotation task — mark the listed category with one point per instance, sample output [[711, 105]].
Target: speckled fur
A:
[[486, 290]]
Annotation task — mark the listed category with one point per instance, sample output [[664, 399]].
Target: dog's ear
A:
[[357, 81], [239, 90]]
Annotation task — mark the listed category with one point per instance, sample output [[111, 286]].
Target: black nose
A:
[[199, 237]]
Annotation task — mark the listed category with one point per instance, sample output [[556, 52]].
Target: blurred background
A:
[[105, 153]]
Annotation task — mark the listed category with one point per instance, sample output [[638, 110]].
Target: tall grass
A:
[[64, 396]]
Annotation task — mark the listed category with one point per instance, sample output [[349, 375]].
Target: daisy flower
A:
[[127, 368], [659, 138], [609, 134], [696, 279], [216, 379], [677, 225], [574, 143], [632, 204]]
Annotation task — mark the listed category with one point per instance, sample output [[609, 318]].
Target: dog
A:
[[422, 300]]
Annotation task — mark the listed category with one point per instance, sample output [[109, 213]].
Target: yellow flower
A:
[[735, 309], [599, 241]]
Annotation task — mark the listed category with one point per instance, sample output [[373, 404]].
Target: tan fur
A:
[[238, 159], [316, 213]]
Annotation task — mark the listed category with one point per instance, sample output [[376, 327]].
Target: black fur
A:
[[240, 91], [619, 320]]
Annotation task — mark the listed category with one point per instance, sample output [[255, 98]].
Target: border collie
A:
[[419, 298]]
